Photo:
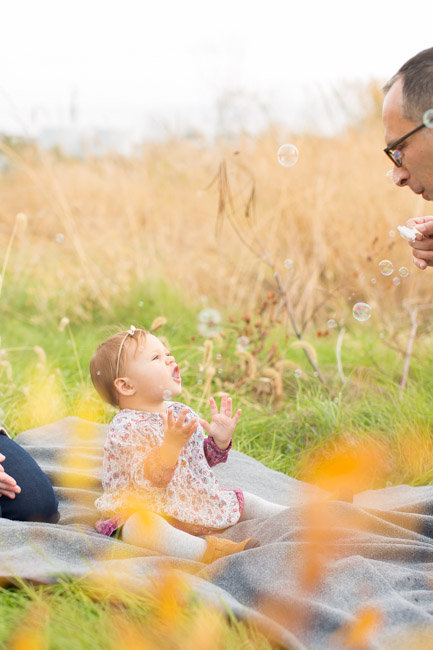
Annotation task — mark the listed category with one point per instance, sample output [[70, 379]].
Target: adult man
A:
[[409, 139]]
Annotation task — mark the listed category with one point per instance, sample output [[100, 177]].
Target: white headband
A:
[[130, 332]]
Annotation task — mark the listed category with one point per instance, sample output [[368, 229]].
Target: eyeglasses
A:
[[393, 152]]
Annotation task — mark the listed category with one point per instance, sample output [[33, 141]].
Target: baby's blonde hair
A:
[[108, 361]]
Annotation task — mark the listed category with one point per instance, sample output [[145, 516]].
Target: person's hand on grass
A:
[[222, 423], [422, 247], [8, 485]]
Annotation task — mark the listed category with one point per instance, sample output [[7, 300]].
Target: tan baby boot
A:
[[218, 547]]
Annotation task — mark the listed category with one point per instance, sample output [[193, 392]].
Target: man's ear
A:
[[123, 386]]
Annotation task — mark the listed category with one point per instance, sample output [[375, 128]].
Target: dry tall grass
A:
[[125, 220]]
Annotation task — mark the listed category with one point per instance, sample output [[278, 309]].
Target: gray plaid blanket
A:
[[370, 563]]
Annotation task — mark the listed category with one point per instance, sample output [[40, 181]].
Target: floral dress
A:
[[187, 495]]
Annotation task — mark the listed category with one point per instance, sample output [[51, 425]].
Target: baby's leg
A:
[[153, 532], [255, 507]]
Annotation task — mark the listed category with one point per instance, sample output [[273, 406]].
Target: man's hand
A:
[[222, 424], [8, 485], [422, 247]]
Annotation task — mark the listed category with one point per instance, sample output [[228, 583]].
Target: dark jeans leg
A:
[[36, 501]]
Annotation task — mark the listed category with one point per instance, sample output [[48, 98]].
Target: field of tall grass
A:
[[192, 231]]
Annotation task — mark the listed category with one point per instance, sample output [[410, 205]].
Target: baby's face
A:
[[152, 371]]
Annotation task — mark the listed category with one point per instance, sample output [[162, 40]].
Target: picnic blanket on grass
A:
[[376, 581]]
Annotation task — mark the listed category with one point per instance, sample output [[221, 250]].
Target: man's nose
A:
[[400, 176]]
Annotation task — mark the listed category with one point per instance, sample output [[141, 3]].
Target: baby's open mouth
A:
[[176, 373]]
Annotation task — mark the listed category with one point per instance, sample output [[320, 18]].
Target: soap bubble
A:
[[362, 311], [60, 238], [243, 342], [403, 272], [396, 281], [427, 118], [288, 263], [218, 357], [373, 280], [386, 267], [141, 303], [209, 322], [287, 155], [298, 373], [315, 373], [392, 234], [167, 394], [331, 323]]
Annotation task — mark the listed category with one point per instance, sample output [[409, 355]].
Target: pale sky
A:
[[179, 57]]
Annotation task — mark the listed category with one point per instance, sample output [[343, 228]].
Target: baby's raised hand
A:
[[176, 432], [222, 424]]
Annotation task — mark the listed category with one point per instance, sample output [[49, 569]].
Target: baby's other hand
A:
[[176, 432], [222, 423]]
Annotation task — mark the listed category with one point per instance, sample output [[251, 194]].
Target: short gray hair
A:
[[417, 77]]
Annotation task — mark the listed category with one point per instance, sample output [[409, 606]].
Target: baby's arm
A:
[[161, 462]]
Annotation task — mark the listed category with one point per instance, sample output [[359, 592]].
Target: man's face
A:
[[417, 151]]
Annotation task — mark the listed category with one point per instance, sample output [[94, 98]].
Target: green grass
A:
[[279, 431]]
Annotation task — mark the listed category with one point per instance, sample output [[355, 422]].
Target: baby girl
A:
[[159, 488]]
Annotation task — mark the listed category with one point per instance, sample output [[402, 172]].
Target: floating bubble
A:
[[218, 357], [298, 373], [392, 234], [403, 272], [209, 322], [220, 371], [199, 382], [141, 303], [362, 311], [288, 263], [167, 394], [287, 155], [243, 342], [336, 400], [331, 323], [60, 238], [386, 267], [381, 335], [315, 373], [427, 118], [396, 281], [373, 280]]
